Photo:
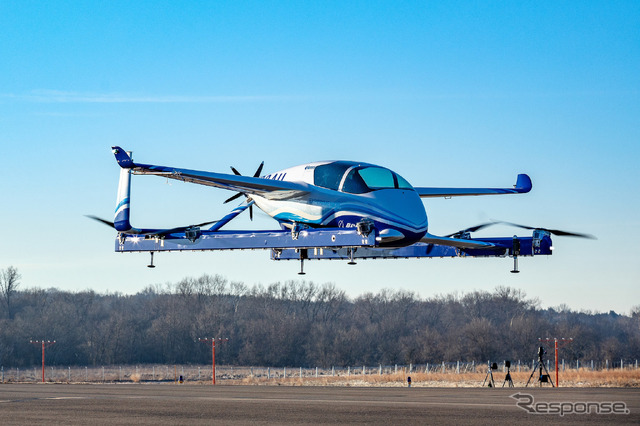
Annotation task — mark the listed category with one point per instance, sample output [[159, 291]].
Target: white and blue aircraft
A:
[[326, 210]]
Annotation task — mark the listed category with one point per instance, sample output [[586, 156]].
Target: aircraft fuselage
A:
[[394, 207]]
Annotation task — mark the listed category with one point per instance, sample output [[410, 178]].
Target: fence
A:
[[202, 373]]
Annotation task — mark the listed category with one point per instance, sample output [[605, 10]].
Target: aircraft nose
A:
[[412, 209], [408, 212]]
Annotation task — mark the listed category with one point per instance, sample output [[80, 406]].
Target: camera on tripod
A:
[[542, 378], [507, 378], [489, 376]]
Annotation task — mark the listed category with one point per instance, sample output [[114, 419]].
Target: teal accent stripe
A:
[[121, 203]]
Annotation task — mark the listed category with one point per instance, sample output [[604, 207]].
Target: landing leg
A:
[[351, 261], [303, 255], [515, 265], [515, 251], [151, 265], [301, 267]]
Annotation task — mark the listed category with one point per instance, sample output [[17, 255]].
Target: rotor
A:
[[239, 194], [557, 232]]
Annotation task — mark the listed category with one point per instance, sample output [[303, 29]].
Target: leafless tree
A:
[[9, 282], [296, 324]]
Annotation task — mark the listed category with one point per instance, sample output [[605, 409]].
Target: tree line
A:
[[295, 323]]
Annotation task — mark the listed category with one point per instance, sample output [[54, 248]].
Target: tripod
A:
[[489, 375], [542, 378], [507, 378]]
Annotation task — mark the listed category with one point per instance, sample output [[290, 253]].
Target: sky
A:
[[453, 94]]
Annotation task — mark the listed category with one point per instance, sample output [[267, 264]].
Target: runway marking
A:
[[66, 397], [357, 401], [43, 398]]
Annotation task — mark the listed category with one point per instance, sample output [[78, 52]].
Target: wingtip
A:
[[523, 183], [122, 157]]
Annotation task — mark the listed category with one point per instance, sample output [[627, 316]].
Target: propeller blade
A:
[[182, 228], [562, 233], [472, 229], [106, 222], [251, 212], [238, 195], [557, 232], [257, 173]]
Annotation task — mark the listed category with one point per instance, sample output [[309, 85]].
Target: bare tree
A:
[[9, 282]]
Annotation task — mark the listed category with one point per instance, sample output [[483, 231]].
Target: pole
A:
[[43, 344], [43, 361], [556, 351], [213, 354], [555, 348]]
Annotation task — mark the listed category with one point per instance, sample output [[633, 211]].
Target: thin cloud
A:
[[56, 96]]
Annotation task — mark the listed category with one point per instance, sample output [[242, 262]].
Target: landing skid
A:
[[336, 244]]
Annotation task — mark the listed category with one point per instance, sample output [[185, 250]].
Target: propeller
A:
[[158, 232], [106, 222], [471, 229], [239, 194], [557, 232], [182, 228]]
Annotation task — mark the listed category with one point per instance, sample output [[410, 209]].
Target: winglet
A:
[[523, 184], [122, 157]]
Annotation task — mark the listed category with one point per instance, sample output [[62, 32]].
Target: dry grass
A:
[[572, 378], [245, 376], [602, 378]]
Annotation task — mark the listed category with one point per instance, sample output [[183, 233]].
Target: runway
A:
[[115, 404]]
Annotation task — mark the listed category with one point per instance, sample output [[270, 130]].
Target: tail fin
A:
[[121, 220], [122, 157]]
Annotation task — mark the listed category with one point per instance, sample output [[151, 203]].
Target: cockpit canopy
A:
[[357, 178]]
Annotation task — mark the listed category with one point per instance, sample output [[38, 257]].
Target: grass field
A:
[[226, 375], [580, 378]]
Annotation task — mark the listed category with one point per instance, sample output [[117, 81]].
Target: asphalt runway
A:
[[157, 404]]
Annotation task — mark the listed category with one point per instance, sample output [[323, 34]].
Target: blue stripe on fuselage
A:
[[399, 210]]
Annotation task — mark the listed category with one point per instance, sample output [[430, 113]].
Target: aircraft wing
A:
[[268, 188], [523, 185], [455, 242]]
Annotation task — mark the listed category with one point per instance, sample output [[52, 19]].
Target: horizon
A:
[[170, 288]]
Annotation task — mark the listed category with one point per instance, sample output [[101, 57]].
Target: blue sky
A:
[[445, 93]]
